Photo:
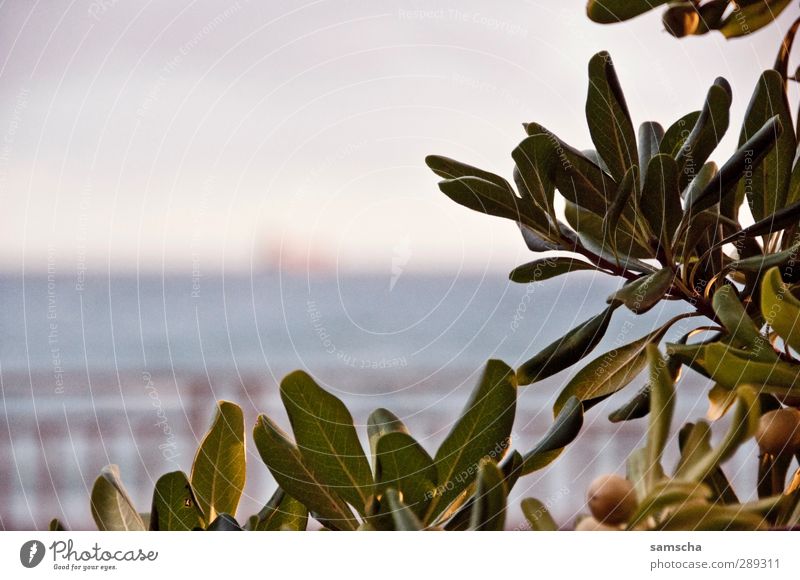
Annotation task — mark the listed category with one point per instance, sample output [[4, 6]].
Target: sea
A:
[[125, 368]]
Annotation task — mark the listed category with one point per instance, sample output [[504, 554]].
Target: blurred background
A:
[[199, 197]]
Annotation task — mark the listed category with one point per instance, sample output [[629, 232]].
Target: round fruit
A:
[[589, 524], [779, 432], [611, 499]]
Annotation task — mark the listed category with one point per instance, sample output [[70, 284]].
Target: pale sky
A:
[[223, 134]]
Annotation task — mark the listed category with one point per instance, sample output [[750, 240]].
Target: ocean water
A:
[[125, 369]]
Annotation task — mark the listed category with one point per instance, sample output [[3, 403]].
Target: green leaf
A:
[[610, 11], [677, 133], [379, 423], [710, 518], [608, 117], [489, 506], [561, 433], [483, 430], [743, 331], [567, 350], [636, 408], [174, 504], [404, 465], [780, 308], [610, 372], [56, 526], [662, 406], [112, 508], [707, 132], [651, 134], [404, 518], [327, 440], [286, 464], [750, 18], [766, 187], [623, 249], [451, 169], [758, 264], [743, 426], [745, 159], [668, 494], [720, 400], [218, 472], [282, 512], [583, 182], [645, 292], [783, 218], [626, 192], [537, 515], [487, 197], [661, 198], [731, 367], [535, 159], [546, 268], [224, 523]]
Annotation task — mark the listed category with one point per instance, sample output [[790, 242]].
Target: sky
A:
[[232, 136]]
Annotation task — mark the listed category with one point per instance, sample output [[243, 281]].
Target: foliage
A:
[[683, 18]]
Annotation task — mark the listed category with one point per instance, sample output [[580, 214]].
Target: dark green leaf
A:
[[626, 192], [611, 371], [567, 350], [327, 440], [451, 169], [661, 198], [379, 423], [546, 268], [282, 512], [489, 505], [662, 406], [706, 133], [174, 505], [224, 523], [624, 250], [404, 518], [758, 264], [483, 430], [288, 468], [746, 159], [608, 117], [651, 135], [405, 466], [644, 292], [561, 433], [56, 526], [218, 471], [751, 17], [583, 182], [610, 11], [486, 197], [767, 185], [112, 508], [677, 133], [535, 158], [743, 331]]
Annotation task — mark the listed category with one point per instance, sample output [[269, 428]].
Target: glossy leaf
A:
[[218, 472], [174, 504], [720, 400], [623, 249], [535, 158], [766, 187], [707, 518], [583, 182], [546, 268], [56, 526], [224, 523], [668, 494], [644, 292], [112, 508], [743, 331], [486, 197], [780, 308], [608, 117], [298, 480], [489, 505], [482, 430], [567, 350], [677, 133], [379, 423], [537, 515], [759, 264], [624, 199], [662, 402], [451, 169]]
